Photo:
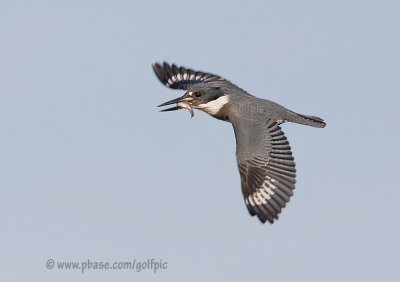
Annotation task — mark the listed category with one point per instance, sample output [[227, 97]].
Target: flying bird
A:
[[266, 165]]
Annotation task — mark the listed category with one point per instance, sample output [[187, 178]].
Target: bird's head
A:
[[209, 99]]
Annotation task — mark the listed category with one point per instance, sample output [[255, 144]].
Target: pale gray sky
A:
[[90, 170]]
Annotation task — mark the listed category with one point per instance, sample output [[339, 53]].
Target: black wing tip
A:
[[162, 71], [264, 214], [162, 65], [159, 72], [264, 218], [156, 66]]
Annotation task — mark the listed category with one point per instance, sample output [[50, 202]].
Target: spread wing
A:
[[183, 78], [266, 167]]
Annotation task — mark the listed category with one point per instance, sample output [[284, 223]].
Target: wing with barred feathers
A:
[[266, 167], [184, 78]]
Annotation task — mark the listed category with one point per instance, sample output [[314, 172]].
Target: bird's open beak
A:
[[181, 103], [175, 101]]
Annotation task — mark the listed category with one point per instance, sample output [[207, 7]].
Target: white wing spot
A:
[[265, 194], [255, 197], [262, 198], [270, 192], [251, 200]]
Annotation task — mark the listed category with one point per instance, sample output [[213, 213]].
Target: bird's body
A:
[[251, 107], [265, 161]]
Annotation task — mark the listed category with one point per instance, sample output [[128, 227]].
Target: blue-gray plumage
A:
[[264, 157]]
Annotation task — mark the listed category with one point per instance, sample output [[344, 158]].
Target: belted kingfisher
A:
[[264, 157]]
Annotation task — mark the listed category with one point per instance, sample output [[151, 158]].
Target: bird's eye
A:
[[197, 94]]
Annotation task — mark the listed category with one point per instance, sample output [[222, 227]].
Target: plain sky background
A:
[[89, 169]]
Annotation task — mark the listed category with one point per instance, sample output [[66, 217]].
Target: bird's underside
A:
[[265, 161]]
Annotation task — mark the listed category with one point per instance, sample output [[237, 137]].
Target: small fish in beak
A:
[[181, 103], [185, 105]]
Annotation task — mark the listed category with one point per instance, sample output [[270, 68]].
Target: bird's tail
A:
[[309, 120]]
